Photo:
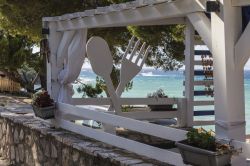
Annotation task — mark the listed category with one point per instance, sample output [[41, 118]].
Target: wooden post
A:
[[189, 72], [54, 38], [182, 113], [228, 76]]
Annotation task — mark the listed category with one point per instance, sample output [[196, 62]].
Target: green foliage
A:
[[17, 60], [24, 17], [42, 99], [206, 140], [159, 93], [14, 51], [202, 139], [89, 90]]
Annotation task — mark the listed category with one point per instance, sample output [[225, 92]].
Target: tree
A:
[[17, 59], [24, 17]]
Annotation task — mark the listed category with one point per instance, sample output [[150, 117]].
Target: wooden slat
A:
[[203, 113], [129, 17], [125, 101], [130, 145], [7, 85], [199, 73], [131, 124], [202, 52], [198, 63], [202, 82], [201, 93], [203, 103], [145, 115], [240, 2], [204, 123]]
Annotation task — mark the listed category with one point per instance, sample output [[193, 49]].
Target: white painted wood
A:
[[102, 64], [131, 124], [203, 102], [53, 70], [240, 3], [198, 63], [203, 26], [130, 145], [147, 115], [130, 69], [127, 101], [182, 113], [128, 17], [201, 82], [189, 71], [242, 48], [203, 122], [228, 77]]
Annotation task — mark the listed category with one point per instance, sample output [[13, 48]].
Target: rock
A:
[[75, 156], [12, 152], [17, 155], [47, 150], [66, 156], [21, 135], [16, 136], [21, 152], [53, 151]]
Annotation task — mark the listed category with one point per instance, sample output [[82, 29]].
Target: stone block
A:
[[16, 136], [53, 151]]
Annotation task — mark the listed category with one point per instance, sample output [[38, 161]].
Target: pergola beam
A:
[[203, 26], [147, 15], [242, 49], [238, 3]]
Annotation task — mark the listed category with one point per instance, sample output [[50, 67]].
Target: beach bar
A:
[[222, 26]]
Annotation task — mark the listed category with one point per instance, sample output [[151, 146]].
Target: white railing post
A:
[[189, 71], [182, 113], [228, 76], [54, 38]]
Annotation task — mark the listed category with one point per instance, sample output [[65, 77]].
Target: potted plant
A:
[[43, 105], [202, 149], [159, 94]]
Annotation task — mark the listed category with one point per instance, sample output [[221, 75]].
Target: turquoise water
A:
[[150, 80]]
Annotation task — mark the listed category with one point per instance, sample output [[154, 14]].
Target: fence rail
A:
[[145, 114], [7, 85], [66, 110]]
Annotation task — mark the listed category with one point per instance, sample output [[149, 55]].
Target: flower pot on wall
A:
[[44, 112], [200, 157]]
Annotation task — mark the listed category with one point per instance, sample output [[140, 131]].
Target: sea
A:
[[150, 80]]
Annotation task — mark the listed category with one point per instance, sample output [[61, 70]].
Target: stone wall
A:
[[25, 140]]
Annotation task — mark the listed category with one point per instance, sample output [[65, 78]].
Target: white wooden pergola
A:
[[223, 36]]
